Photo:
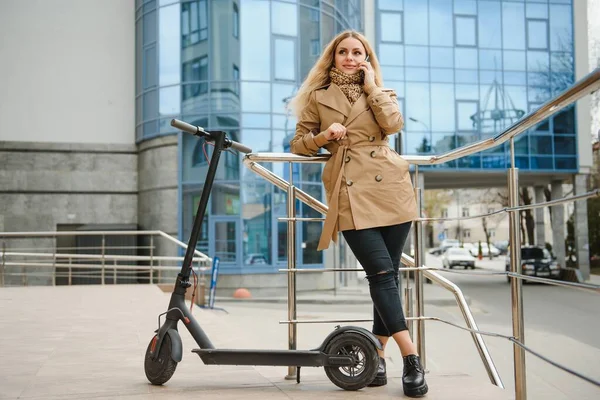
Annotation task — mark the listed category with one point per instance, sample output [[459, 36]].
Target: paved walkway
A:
[[88, 342]]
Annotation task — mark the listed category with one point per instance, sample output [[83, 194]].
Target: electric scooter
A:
[[348, 354]]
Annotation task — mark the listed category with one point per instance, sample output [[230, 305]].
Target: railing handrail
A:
[[581, 88], [74, 256], [104, 233]]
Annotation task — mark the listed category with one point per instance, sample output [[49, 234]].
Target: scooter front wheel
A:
[[160, 370], [366, 360]]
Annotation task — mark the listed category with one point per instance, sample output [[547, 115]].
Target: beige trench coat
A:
[[367, 183]]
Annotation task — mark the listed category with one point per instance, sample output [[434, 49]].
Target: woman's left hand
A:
[[369, 79]]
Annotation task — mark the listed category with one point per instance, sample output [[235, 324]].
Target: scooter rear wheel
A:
[[159, 371], [366, 361]]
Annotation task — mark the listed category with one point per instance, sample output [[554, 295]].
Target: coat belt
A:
[[330, 227]]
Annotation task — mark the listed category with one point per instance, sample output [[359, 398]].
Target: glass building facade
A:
[[465, 70], [233, 65]]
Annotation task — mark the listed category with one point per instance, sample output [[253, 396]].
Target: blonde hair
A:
[[319, 74]]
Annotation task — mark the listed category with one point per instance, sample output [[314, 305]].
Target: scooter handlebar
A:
[[196, 130], [184, 126], [240, 147]]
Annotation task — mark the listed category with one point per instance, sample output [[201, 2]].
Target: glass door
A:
[[224, 243]]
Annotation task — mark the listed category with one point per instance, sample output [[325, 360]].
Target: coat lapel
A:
[[334, 99], [358, 108]]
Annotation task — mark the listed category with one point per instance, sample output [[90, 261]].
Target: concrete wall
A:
[[43, 185], [67, 71], [158, 198], [584, 151]]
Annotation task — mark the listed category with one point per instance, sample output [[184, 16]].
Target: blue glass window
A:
[[442, 75], [170, 45], [465, 58], [195, 70], [285, 59], [537, 34], [194, 22], [441, 25], [441, 57], [394, 5], [537, 10], [565, 163], [391, 54], [255, 28], [513, 26], [391, 27], [490, 59], [417, 56], [465, 31], [284, 18], [255, 97], [561, 28], [540, 145], [442, 103], [564, 144], [466, 115], [490, 26], [514, 60], [416, 25], [467, 7], [542, 162], [564, 121]]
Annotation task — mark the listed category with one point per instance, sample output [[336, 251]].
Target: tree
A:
[[435, 201], [492, 199]]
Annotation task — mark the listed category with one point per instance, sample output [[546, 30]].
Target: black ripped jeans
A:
[[378, 250]]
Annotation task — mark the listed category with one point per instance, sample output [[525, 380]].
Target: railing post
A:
[[2, 265], [115, 271], [54, 265], [151, 259], [419, 262], [408, 305], [70, 272], [516, 285], [291, 249], [103, 251]]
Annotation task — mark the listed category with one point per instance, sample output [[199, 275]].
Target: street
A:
[[560, 323]]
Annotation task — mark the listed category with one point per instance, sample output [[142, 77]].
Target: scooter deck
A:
[[300, 358]]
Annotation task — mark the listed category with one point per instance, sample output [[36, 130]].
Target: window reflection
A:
[[391, 54], [255, 19], [285, 59], [284, 19], [417, 56], [537, 34], [194, 22], [465, 58], [490, 26], [465, 31], [195, 70], [255, 97], [513, 26], [257, 217], [416, 22], [441, 28], [169, 44], [225, 198], [391, 27]]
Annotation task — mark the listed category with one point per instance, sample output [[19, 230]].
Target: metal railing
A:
[[56, 262], [583, 87]]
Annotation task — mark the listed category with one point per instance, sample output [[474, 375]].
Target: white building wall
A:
[[67, 71]]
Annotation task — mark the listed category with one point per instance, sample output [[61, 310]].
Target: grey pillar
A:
[[581, 227], [558, 224], [540, 232]]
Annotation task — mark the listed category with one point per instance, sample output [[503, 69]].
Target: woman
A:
[[342, 107]]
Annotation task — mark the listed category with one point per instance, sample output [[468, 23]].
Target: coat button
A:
[[371, 138], [378, 178], [349, 182], [373, 154], [347, 159]]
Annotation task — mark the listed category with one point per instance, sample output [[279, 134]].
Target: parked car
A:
[[446, 244], [502, 246], [474, 249], [456, 256], [537, 261]]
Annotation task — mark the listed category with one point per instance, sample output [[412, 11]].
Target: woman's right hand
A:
[[336, 131]]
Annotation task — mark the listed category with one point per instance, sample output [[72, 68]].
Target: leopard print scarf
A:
[[351, 85]]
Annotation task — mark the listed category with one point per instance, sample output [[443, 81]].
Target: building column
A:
[[558, 224], [540, 234], [580, 219]]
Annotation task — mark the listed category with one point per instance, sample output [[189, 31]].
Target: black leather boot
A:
[[413, 378], [381, 377]]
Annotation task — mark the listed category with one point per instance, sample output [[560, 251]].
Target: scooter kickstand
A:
[[297, 374]]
